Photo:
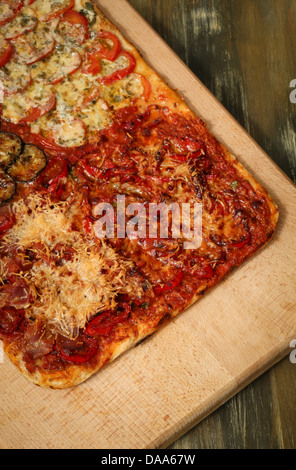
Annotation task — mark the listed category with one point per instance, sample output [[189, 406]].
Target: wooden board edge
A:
[[190, 421]]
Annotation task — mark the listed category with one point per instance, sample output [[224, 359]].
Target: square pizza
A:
[[118, 208]]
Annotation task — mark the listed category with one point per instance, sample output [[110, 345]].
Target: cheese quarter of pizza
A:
[[84, 122]]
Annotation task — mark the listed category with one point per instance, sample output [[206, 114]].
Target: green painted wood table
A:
[[244, 52]]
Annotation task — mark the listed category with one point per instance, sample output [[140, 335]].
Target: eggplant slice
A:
[[10, 148], [7, 187], [28, 165]]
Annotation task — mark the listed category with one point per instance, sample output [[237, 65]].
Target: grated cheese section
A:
[[74, 275]]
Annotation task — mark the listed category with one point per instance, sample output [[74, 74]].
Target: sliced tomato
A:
[[5, 51], [58, 130], [24, 22], [61, 63], [7, 13], [67, 68], [74, 26], [34, 46], [120, 74], [54, 178], [25, 108], [36, 112], [16, 4], [55, 9], [94, 94], [113, 53], [15, 77], [91, 63], [8, 10], [73, 17]]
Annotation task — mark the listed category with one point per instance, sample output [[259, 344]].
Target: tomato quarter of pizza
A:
[[86, 124]]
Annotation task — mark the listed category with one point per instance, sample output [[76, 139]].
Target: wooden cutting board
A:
[[157, 391]]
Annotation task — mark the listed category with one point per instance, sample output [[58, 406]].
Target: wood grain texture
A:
[[155, 393], [244, 52]]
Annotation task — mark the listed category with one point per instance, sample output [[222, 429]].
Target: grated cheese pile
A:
[[86, 281]]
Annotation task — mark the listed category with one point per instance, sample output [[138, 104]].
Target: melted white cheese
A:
[[25, 21], [87, 282]]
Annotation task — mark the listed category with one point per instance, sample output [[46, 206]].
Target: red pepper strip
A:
[[184, 158], [113, 172], [62, 174], [146, 87], [16, 8], [91, 171], [55, 187], [120, 74], [80, 32], [6, 224], [196, 154], [105, 174], [83, 355], [179, 158], [110, 54], [243, 242], [205, 272], [104, 323], [88, 223], [169, 286], [99, 325], [47, 143]]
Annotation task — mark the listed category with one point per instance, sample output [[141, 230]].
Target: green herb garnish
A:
[[234, 185]]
